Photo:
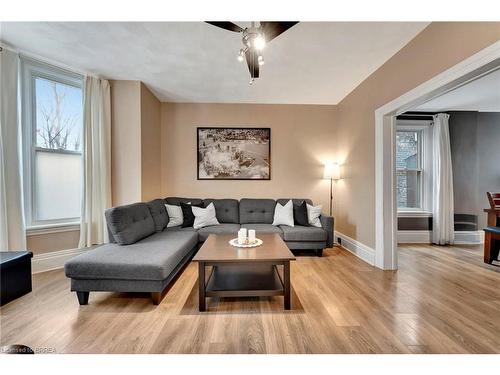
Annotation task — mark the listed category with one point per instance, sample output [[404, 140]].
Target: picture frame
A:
[[233, 153]]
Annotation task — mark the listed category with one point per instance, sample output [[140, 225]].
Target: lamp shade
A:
[[331, 172]]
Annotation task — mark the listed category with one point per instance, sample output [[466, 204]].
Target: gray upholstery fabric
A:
[[257, 211], [301, 233], [295, 201], [130, 223], [226, 210], [327, 224], [181, 229], [159, 213], [218, 229], [113, 285], [153, 258], [176, 201], [264, 228], [300, 245]]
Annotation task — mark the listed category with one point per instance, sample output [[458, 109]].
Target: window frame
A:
[[30, 70], [424, 127]]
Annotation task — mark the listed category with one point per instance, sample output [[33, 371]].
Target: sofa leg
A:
[[83, 297], [157, 297], [319, 252]]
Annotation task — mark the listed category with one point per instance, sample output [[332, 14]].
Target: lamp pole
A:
[[331, 195]]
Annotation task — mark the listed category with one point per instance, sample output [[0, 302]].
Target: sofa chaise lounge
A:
[[144, 255]]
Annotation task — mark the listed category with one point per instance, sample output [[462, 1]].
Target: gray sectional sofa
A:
[[144, 255]]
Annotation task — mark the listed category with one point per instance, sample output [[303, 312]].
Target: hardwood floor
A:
[[442, 300]]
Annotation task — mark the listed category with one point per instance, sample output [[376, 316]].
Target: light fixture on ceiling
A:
[[259, 42], [241, 55], [254, 41]]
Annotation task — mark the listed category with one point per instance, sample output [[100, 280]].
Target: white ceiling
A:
[[481, 95], [312, 63]]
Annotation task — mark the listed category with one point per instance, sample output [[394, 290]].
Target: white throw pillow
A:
[[203, 217], [175, 215], [313, 214], [283, 215]]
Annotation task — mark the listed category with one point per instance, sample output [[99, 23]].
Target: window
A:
[[52, 110], [413, 166], [408, 168]]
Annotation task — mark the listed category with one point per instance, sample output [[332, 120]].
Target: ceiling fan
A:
[[254, 40]]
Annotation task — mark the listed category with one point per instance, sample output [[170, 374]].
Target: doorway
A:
[[476, 66]]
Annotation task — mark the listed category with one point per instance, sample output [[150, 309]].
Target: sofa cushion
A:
[[226, 210], [187, 213], [131, 223], [263, 229], [257, 211], [159, 213], [283, 201], [153, 258], [203, 233], [181, 229], [300, 214], [176, 201], [302, 233]]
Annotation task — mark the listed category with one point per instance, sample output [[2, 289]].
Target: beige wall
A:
[[125, 142], [302, 139], [435, 49], [150, 145]]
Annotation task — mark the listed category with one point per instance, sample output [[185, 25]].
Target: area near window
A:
[[413, 166], [51, 99]]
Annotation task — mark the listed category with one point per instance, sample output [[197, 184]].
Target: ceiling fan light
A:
[[240, 56], [259, 42]]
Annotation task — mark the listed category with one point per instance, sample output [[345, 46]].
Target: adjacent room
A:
[[266, 187], [471, 113]]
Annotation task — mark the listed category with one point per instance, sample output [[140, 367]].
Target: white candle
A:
[[251, 235], [241, 237], [244, 231]]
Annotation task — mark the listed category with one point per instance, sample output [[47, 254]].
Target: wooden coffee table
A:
[[244, 272]]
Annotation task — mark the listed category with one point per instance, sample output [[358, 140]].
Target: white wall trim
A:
[[425, 236], [414, 236], [49, 229], [469, 237], [414, 214], [385, 194], [53, 260], [357, 248]]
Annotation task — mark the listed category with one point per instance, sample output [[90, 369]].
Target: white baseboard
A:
[[425, 236], [414, 236], [474, 237], [357, 248], [53, 260]]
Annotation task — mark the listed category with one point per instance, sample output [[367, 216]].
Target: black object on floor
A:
[[15, 273]]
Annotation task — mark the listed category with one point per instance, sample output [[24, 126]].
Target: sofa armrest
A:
[[327, 224]]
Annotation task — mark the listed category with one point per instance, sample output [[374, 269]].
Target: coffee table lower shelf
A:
[[249, 280]]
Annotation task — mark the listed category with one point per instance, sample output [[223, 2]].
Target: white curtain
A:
[[12, 229], [97, 162], [442, 211]]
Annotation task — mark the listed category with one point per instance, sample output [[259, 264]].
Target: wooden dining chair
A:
[[492, 231], [494, 199]]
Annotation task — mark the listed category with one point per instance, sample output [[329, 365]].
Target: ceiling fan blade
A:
[[273, 29], [226, 26], [253, 63]]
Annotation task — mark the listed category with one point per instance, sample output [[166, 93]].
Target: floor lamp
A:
[[331, 172]]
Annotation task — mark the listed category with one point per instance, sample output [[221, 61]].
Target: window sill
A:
[[52, 228], [419, 213]]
